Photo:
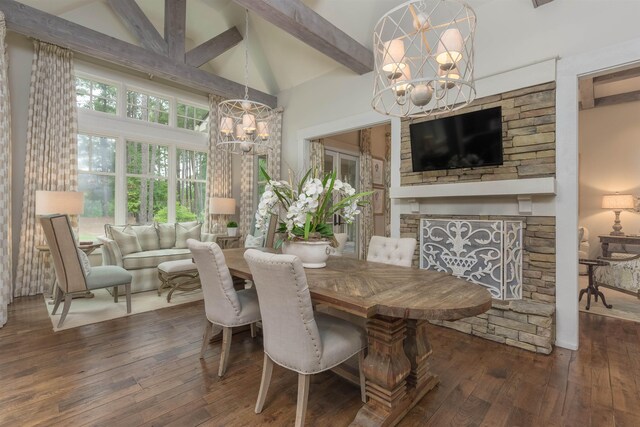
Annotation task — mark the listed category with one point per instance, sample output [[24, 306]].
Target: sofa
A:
[[139, 249]]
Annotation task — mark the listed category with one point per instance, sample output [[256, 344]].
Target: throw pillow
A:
[[127, 240], [84, 262], [167, 234], [147, 236], [254, 241], [184, 232]]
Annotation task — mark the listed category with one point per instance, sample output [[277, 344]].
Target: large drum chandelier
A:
[[423, 52], [245, 126]]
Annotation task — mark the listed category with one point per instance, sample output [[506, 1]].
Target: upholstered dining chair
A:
[[223, 305], [392, 251], [294, 337], [74, 274]]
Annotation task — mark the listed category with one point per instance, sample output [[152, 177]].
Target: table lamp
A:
[[617, 202], [222, 206], [60, 202]]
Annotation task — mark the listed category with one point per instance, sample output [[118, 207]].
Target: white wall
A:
[[609, 158]]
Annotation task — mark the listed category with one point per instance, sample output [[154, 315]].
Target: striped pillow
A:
[[186, 231], [167, 235], [127, 240], [147, 237]]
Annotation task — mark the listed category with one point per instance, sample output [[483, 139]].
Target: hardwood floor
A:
[[144, 370]]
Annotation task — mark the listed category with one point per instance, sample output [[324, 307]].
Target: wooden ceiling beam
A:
[[32, 22], [538, 3], [617, 76], [618, 99], [213, 47], [302, 22], [175, 21], [137, 22], [587, 96]]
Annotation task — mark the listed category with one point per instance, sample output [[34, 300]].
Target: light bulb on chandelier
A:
[[423, 57]]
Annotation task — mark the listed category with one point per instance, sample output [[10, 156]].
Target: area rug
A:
[[85, 311], [626, 307]]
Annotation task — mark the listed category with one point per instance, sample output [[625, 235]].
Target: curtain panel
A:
[[387, 184], [218, 165], [365, 227], [274, 156], [316, 155], [247, 170], [6, 279], [51, 161]]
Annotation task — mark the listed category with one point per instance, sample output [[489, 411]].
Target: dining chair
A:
[[224, 306], [392, 251], [73, 272], [294, 337]]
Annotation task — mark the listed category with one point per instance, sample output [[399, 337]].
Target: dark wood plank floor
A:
[[144, 370]]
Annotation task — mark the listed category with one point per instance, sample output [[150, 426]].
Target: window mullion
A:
[[172, 183], [121, 182]]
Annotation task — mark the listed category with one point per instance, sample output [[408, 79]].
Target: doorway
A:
[[346, 167]]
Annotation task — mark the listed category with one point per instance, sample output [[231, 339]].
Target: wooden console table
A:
[[397, 303], [607, 239]]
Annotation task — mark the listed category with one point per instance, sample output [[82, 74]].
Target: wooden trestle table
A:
[[397, 303]]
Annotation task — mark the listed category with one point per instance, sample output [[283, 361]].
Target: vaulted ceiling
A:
[[278, 60]]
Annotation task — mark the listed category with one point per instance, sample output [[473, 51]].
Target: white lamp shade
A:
[[59, 202], [226, 125], [450, 48], [400, 85], [618, 201], [222, 206], [392, 62], [263, 129], [249, 123], [239, 132], [451, 74]]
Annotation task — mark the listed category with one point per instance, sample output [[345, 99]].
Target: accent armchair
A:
[[74, 274]]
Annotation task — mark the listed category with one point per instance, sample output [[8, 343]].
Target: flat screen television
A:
[[463, 141]]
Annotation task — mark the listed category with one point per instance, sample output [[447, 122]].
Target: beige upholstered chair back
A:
[[221, 301], [391, 251], [66, 261], [291, 336]]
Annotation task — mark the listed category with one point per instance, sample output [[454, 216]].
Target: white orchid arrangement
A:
[[310, 205]]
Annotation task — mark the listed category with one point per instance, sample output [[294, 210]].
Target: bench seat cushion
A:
[[177, 266], [151, 259]]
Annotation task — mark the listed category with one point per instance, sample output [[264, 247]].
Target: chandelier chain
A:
[[246, 54]]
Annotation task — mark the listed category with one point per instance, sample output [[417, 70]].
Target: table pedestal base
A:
[[396, 370]]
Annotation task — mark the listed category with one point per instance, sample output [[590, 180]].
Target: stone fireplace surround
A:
[[527, 176]]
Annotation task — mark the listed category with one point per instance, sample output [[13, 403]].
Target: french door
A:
[[346, 167]]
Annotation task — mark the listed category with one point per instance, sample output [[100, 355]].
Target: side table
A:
[[592, 288]]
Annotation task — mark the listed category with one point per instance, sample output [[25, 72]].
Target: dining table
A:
[[397, 303]]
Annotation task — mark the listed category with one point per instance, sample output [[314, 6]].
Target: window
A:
[[148, 108], [191, 174], [192, 118], [97, 180], [147, 182], [94, 95]]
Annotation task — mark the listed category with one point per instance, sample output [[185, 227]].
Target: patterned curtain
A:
[[246, 194], [387, 184], [6, 279], [273, 157], [51, 162], [316, 154], [365, 219], [218, 165]]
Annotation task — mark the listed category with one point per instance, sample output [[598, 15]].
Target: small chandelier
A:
[[423, 51], [245, 125]]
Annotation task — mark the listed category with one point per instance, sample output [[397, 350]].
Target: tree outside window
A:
[[147, 181], [96, 179], [192, 118], [147, 107], [97, 96]]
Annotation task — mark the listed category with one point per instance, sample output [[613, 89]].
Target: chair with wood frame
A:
[[73, 273], [294, 336], [223, 305]]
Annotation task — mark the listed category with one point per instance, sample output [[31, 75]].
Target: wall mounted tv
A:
[[463, 141]]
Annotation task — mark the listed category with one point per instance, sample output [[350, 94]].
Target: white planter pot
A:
[[232, 231], [313, 254]]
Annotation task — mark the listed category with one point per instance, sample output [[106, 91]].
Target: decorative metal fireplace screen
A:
[[488, 253]]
